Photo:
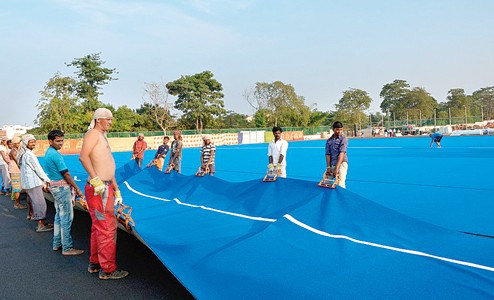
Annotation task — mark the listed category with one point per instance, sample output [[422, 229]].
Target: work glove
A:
[[118, 198], [270, 166], [99, 185]]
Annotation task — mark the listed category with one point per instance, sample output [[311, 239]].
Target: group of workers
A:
[[336, 154], [101, 190]]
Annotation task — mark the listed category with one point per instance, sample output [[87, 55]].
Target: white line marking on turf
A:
[[200, 206], [412, 252], [320, 232]]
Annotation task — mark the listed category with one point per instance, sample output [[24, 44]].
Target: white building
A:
[[12, 130]]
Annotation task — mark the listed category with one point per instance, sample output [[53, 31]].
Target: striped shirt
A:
[[32, 174], [206, 153]]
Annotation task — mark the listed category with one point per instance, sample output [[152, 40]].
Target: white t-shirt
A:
[[4, 149], [276, 149]]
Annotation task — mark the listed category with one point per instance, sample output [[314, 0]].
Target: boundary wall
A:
[[123, 144]]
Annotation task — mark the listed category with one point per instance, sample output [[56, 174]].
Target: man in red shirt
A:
[[138, 150]]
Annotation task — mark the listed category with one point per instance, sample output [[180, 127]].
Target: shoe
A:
[[72, 252], [93, 268], [20, 206], [117, 274], [44, 228]]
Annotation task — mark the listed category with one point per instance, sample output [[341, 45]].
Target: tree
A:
[[58, 105], [278, 104], [393, 95], [91, 76], [234, 120], [199, 97], [352, 106], [458, 102], [484, 99], [418, 103], [319, 118], [126, 120], [157, 95]]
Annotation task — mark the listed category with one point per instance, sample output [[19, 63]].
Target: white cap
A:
[[100, 113]]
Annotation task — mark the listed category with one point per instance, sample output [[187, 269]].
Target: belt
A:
[[107, 182]]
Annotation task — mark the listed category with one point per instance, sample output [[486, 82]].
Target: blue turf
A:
[[233, 236]]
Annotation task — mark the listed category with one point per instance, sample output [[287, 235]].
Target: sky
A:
[[320, 47]]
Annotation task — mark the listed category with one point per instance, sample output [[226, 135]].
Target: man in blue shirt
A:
[[336, 156], [159, 157], [63, 189], [436, 138]]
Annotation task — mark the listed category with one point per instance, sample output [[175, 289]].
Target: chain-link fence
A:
[[387, 123]]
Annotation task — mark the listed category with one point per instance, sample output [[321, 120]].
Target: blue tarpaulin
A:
[[389, 235]]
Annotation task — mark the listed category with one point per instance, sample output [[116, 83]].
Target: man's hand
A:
[[79, 193], [270, 166], [99, 185], [118, 198]]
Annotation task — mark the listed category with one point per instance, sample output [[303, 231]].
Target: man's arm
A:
[[328, 163], [4, 156], [90, 140], [33, 163], [69, 180], [270, 154], [341, 157], [211, 158]]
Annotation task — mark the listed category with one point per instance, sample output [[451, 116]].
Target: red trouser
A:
[[103, 248]]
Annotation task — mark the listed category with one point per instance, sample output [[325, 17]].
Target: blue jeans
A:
[[63, 217]]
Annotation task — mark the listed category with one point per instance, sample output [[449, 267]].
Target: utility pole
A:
[[434, 120]]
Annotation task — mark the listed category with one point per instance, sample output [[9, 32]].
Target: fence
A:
[[388, 123]]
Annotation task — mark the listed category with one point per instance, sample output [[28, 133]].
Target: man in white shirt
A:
[[4, 169], [277, 152], [33, 177]]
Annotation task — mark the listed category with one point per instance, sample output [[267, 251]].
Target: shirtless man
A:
[[101, 194]]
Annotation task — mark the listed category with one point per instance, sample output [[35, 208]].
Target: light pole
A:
[[482, 112], [466, 118], [434, 120], [449, 113], [389, 121]]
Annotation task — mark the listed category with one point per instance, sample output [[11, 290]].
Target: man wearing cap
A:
[[33, 179], [15, 173], [208, 152], [102, 194], [336, 154], [176, 151], [138, 149], [63, 190], [277, 152], [4, 171]]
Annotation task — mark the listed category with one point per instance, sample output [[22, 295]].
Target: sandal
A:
[[44, 228], [19, 206]]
